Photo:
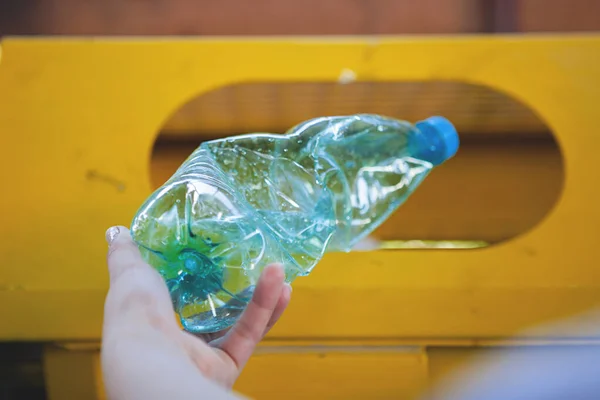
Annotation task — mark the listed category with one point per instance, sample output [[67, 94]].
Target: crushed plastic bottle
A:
[[240, 203]]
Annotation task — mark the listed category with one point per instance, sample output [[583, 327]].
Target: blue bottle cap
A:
[[440, 132]]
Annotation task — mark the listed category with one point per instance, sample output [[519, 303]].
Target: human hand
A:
[[145, 353]]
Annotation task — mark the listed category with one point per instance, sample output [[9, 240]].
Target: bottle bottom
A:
[[219, 317]]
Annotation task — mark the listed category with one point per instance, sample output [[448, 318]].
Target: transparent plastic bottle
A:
[[240, 203]]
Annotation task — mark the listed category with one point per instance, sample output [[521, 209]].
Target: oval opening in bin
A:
[[506, 177]]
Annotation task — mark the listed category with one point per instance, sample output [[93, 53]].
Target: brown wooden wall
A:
[[300, 17], [558, 15]]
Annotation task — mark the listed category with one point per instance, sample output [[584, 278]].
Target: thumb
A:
[[134, 285], [123, 253]]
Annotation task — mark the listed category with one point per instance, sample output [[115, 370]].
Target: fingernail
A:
[[111, 234], [289, 286]]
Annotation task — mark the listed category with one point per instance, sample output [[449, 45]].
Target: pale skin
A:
[[145, 353]]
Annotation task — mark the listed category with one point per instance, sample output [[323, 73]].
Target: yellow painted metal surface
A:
[[78, 119], [335, 373]]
